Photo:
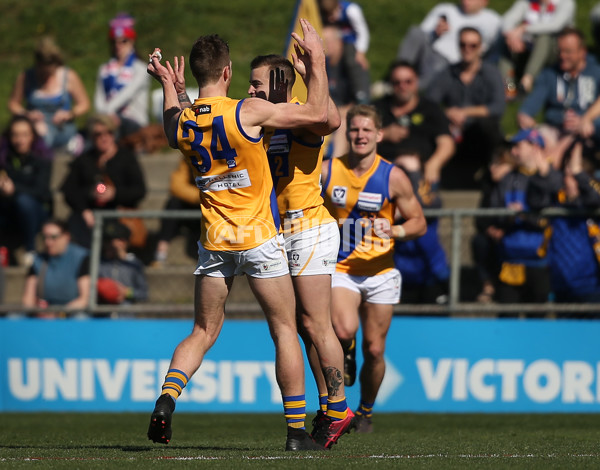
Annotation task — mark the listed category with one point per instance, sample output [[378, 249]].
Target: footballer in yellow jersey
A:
[[311, 239], [356, 202], [364, 193], [222, 139], [295, 162], [239, 211]]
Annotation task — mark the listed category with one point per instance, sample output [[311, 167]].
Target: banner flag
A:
[[309, 10]]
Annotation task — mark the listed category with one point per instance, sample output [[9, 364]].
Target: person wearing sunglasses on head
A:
[[107, 176]]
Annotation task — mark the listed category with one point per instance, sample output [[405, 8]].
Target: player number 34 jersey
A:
[[239, 207]]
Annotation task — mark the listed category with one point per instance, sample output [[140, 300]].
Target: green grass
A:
[[77, 440], [251, 27]]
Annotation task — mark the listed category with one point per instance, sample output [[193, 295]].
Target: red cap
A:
[[122, 26]]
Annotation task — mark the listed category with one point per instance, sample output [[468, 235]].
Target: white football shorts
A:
[[380, 289], [314, 250], [264, 261]]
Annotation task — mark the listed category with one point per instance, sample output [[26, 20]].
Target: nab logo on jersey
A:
[[202, 109], [338, 196]]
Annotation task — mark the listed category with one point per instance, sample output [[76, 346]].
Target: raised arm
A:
[[333, 116], [257, 113], [171, 106]]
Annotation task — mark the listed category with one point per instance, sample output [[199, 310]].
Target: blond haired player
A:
[[364, 192]]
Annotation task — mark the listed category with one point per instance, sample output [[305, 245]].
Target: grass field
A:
[[438, 441]]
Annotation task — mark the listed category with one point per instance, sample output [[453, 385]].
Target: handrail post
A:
[[95, 259], [455, 260]]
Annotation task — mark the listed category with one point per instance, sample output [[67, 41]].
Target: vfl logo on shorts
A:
[[202, 109], [338, 196]]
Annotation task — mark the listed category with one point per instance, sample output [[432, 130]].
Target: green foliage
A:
[[107, 441], [252, 28]]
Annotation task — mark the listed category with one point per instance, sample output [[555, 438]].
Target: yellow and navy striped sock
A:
[[323, 402], [337, 409], [294, 408], [175, 382], [365, 409]]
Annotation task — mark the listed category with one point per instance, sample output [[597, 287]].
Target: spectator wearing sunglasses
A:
[[60, 274], [412, 124], [472, 94], [433, 44]]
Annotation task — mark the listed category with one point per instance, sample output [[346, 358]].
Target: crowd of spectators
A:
[[104, 173], [447, 94], [447, 91]]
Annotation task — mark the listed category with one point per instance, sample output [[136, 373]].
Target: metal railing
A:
[[453, 307]]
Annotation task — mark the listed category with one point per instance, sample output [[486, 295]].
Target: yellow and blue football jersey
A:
[[231, 170], [296, 171], [356, 201]]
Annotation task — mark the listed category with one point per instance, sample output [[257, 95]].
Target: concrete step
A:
[[168, 285], [460, 199], [156, 166], [157, 169]]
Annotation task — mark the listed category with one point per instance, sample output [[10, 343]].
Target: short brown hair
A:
[[208, 57], [62, 225], [470, 29], [571, 31], [276, 61]]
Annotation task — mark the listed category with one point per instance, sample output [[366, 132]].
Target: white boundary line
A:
[[316, 457]]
